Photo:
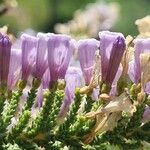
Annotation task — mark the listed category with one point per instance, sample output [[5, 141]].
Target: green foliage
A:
[[43, 131], [11, 108], [89, 103]]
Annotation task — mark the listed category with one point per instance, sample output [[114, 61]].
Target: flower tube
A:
[[87, 49], [112, 46], [141, 46], [5, 52], [73, 80], [14, 68], [60, 50], [29, 50], [41, 62]]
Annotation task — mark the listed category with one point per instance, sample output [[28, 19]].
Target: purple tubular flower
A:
[[14, 68], [41, 63], [115, 59], [5, 50], [73, 80], [146, 115], [40, 96], [95, 94], [141, 46], [131, 71], [44, 85], [87, 49], [29, 50], [46, 79], [147, 89], [113, 90], [132, 74], [112, 46], [60, 50]]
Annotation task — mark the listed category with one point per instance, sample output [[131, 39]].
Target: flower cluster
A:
[[45, 102]]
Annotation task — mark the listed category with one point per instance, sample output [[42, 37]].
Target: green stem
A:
[[25, 116], [2, 100], [72, 115], [89, 103], [39, 124], [10, 111], [23, 120], [55, 109]]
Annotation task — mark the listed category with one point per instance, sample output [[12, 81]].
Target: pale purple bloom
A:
[[115, 59], [95, 93], [87, 49], [132, 75], [113, 90], [131, 71], [141, 46], [112, 46], [75, 59], [46, 79], [29, 50], [40, 96], [14, 68], [146, 115], [73, 44], [5, 50], [44, 85], [147, 88], [134, 71], [73, 80], [17, 44], [60, 49], [41, 63]]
